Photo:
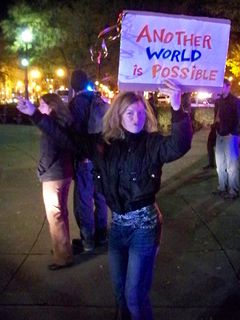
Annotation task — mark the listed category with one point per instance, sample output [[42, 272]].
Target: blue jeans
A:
[[89, 207], [132, 252], [227, 161]]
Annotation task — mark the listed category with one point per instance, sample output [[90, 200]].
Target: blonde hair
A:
[[59, 109], [112, 127]]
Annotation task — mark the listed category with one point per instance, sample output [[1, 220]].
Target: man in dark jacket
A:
[[92, 221], [227, 152]]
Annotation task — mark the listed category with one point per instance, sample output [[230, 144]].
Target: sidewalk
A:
[[197, 271]]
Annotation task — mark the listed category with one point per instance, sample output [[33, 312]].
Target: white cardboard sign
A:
[[190, 50]]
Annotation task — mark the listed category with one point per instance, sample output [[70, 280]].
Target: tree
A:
[[45, 34], [229, 10], [62, 36], [64, 31], [233, 61]]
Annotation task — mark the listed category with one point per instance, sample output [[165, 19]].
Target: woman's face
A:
[[44, 108], [134, 117]]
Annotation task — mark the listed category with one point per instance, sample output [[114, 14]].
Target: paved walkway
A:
[[197, 271]]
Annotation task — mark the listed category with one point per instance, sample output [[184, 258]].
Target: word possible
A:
[[193, 73]]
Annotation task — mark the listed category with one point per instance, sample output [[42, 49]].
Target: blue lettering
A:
[[151, 55], [167, 54], [174, 55], [183, 58], [195, 55]]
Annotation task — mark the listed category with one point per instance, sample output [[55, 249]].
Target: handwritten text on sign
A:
[[155, 47]]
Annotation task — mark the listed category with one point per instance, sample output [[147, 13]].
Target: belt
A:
[[136, 205]]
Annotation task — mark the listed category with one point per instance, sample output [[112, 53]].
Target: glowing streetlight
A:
[[27, 36], [60, 73], [35, 74], [25, 62], [59, 80]]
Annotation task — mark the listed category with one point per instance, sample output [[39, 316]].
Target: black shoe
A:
[[55, 266]]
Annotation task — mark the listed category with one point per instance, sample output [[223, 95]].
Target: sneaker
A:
[[88, 245]]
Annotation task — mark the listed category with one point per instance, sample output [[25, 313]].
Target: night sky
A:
[[166, 5], [4, 4]]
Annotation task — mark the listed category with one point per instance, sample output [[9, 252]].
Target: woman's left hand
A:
[[174, 92], [25, 106]]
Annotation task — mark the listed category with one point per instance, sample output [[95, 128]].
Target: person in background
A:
[[211, 143], [227, 109], [127, 158], [152, 103], [55, 171], [90, 207]]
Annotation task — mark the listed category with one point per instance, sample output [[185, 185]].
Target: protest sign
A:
[[156, 46]]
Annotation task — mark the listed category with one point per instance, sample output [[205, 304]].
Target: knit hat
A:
[[79, 80]]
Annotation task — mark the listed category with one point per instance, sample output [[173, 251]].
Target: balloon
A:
[[100, 51]]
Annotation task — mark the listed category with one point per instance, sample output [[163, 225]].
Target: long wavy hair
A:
[[112, 127], [59, 110]]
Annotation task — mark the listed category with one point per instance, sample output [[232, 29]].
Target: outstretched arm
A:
[[65, 138]]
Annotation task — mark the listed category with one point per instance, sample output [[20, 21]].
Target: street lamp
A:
[[60, 72], [26, 37], [60, 78]]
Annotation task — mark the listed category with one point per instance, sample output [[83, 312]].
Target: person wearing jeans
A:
[[227, 114], [227, 160], [133, 244], [211, 144], [90, 208], [128, 157], [85, 196]]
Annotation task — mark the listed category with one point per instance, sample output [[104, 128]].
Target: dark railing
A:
[[10, 115]]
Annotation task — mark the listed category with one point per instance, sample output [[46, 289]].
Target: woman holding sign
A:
[[128, 157]]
